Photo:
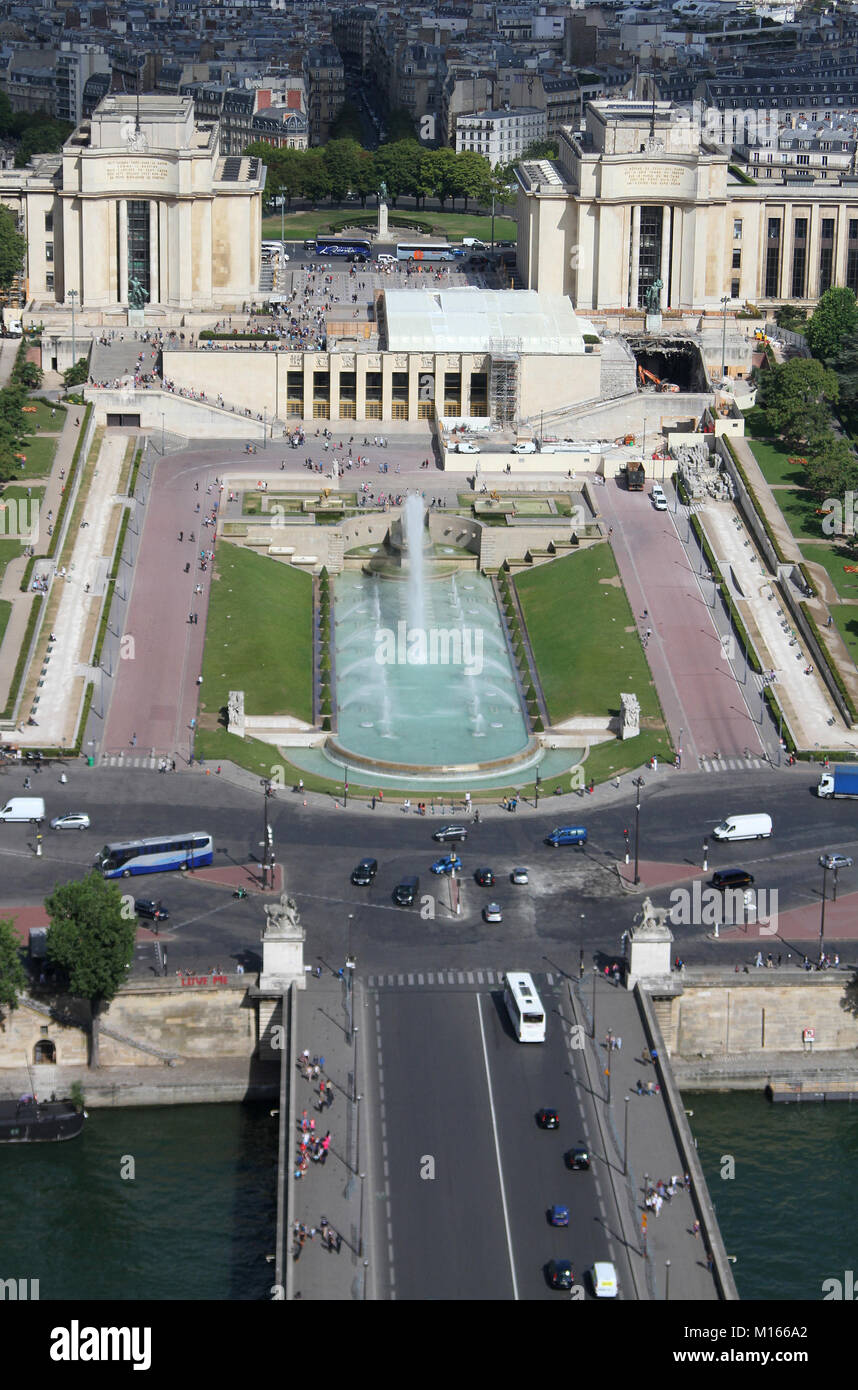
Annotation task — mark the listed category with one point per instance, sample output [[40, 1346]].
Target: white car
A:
[[659, 500], [492, 912], [527, 446], [72, 820], [604, 1278], [465, 446], [519, 876]]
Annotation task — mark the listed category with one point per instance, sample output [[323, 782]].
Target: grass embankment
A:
[[587, 651], [259, 639]]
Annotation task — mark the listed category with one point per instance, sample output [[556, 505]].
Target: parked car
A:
[[364, 872], [72, 820], [527, 446], [153, 908], [450, 832], [835, 861], [659, 499], [465, 446]]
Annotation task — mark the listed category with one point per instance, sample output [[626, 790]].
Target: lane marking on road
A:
[[497, 1148]]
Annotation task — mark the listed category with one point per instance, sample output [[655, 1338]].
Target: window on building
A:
[[49, 280], [138, 242], [737, 259], [649, 258], [49, 221], [773, 256], [734, 289], [49, 251], [799, 258], [737, 229]]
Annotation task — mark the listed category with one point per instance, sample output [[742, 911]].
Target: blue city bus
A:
[[357, 247], [155, 854]]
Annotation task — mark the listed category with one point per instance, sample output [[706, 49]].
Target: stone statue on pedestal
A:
[[282, 947], [630, 716]]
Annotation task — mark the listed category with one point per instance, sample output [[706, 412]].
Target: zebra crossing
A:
[[731, 764], [444, 979], [143, 760]]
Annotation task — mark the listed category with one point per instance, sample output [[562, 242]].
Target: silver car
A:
[[835, 861], [72, 820]]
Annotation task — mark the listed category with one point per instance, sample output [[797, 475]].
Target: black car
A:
[[365, 872], [485, 877], [731, 878], [548, 1119], [405, 893], [152, 908], [450, 832], [578, 1159], [560, 1274]]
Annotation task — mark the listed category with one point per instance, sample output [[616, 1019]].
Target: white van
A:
[[604, 1278], [23, 808], [385, 258], [752, 827]]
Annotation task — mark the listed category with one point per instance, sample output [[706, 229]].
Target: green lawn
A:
[[846, 622], [833, 557], [9, 550], [584, 637], [259, 636], [39, 451], [801, 510], [298, 225], [775, 465], [5, 614], [43, 418]]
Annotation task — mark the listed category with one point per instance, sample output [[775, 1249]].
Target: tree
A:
[[45, 136], [77, 374], [30, 376], [92, 940], [832, 468], [348, 124], [12, 248], [13, 976], [797, 396], [790, 317], [342, 161], [472, 176], [833, 323]]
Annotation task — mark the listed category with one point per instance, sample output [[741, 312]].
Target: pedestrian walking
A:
[[133, 740], [329, 1093], [695, 1229]]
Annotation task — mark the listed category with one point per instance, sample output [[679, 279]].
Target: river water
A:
[[786, 1215], [195, 1222]]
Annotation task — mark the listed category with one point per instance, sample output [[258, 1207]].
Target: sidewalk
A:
[[654, 1153], [330, 1191]]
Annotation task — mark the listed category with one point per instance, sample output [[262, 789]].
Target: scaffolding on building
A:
[[504, 375]]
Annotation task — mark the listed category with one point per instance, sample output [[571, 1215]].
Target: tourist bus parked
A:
[[156, 853], [424, 251], [356, 247], [524, 1007]]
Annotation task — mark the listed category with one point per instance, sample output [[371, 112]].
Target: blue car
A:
[[558, 1216], [567, 835], [447, 864]]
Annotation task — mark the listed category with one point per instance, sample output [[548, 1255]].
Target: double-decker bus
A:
[[356, 247], [524, 1007], [424, 251], [155, 854]]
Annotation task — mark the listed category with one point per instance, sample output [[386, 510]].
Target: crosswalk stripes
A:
[[442, 979], [731, 764], [120, 760]]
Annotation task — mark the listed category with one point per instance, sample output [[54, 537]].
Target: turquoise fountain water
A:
[[423, 674]]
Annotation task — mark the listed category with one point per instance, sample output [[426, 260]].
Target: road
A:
[[469, 1173], [574, 900]]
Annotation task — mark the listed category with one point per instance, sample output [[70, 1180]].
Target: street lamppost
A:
[[626, 1140], [73, 296], [822, 914], [537, 789], [705, 855], [725, 299], [667, 1281], [350, 969], [345, 785], [267, 841], [637, 782]]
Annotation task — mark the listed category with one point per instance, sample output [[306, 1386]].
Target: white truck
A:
[[23, 808]]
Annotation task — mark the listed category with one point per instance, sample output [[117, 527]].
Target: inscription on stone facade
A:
[[655, 177], [135, 170]]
